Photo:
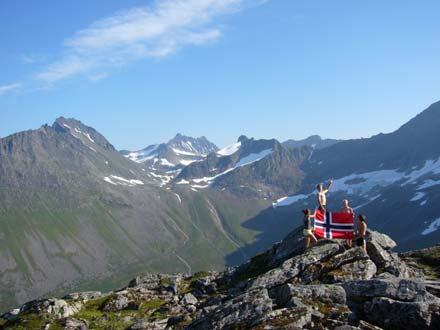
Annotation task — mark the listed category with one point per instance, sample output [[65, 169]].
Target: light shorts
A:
[[307, 232]]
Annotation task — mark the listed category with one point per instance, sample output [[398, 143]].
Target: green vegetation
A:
[[427, 259], [187, 285]]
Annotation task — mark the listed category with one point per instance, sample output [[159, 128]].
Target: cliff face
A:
[[326, 287]]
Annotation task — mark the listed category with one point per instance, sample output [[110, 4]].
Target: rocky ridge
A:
[[329, 286]]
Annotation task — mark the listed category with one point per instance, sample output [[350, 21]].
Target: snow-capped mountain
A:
[[67, 195], [73, 209], [164, 161], [248, 167]]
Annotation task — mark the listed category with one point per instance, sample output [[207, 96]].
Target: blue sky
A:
[[141, 71]]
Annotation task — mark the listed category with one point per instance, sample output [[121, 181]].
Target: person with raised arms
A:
[[322, 195]]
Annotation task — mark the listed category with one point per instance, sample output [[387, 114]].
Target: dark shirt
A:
[[308, 223]]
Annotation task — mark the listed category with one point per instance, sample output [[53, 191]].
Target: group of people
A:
[[361, 227]]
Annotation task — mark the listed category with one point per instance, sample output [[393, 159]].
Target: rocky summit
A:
[[328, 286]]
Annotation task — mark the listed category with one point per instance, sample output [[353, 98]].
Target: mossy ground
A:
[[94, 316], [427, 259], [187, 285]]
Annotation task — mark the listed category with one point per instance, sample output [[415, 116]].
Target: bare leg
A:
[[307, 239], [314, 240]]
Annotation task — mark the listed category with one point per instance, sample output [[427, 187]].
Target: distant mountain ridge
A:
[[314, 141], [74, 208]]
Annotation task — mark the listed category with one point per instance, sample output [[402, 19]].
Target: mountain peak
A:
[[76, 127]]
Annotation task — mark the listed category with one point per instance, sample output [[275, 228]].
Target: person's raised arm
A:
[[330, 185]]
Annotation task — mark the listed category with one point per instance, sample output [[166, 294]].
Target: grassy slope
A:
[[118, 249]]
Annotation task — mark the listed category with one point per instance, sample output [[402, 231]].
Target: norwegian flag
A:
[[334, 225]]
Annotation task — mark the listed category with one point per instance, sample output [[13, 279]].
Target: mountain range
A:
[[77, 213]]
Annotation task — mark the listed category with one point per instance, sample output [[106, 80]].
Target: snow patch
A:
[[431, 166], [229, 150], [143, 155], [117, 180], [186, 162], [435, 225], [178, 197], [428, 183], [163, 178], [183, 152], [87, 135], [417, 196], [284, 201], [165, 162], [200, 186], [252, 158]]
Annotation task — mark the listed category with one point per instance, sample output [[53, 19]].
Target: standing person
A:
[[308, 228], [322, 195], [347, 209], [361, 232]]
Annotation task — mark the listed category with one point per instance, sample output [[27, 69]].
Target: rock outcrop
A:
[[329, 286]]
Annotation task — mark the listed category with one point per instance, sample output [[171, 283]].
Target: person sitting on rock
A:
[[322, 195], [308, 228], [347, 209], [361, 231]]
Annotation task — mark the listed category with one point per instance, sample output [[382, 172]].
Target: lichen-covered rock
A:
[[358, 270], [146, 324], [394, 303], [189, 299], [57, 308], [328, 294], [117, 303], [393, 314], [348, 265], [378, 248], [380, 239], [294, 266], [83, 295], [394, 288], [244, 309], [74, 324]]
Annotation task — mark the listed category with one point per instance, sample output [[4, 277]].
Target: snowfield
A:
[[247, 160], [120, 181], [144, 155], [362, 183], [252, 158], [435, 225], [229, 150]]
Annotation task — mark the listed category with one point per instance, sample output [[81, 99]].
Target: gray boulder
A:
[[57, 308], [329, 294], [189, 299], [244, 310], [393, 314], [74, 324], [117, 303], [394, 288], [294, 266], [83, 295], [379, 249]]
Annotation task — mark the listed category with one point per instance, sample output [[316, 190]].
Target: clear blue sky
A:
[[141, 71]]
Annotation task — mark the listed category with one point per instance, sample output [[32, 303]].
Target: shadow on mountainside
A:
[[273, 225]]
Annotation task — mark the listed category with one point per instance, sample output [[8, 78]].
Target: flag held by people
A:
[[335, 225]]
